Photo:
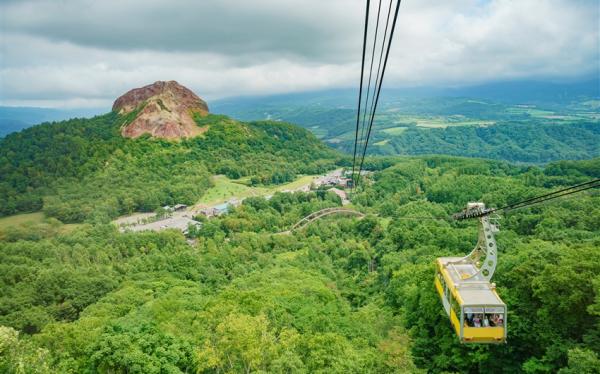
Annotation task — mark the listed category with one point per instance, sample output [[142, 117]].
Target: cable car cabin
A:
[[476, 312]]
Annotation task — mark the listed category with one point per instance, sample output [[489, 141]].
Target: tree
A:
[[582, 361], [18, 356], [241, 343]]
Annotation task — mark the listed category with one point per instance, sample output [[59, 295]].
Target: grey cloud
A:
[[308, 28], [78, 53]]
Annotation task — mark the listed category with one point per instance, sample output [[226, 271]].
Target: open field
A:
[[443, 122], [532, 111], [32, 219], [318, 131], [302, 181], [573, 115], [21, 219], [225, 189], [394, 130]]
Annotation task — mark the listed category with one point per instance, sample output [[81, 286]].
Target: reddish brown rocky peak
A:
[[166, 111]]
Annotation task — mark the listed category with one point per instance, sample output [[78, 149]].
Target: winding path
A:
[[320, 214]]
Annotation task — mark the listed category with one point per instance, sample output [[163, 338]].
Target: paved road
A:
[[176, 222]]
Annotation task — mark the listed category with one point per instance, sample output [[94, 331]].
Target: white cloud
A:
[[86, 53]]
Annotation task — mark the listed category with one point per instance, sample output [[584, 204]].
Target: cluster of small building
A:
[[334, 179], [339, 179], [175, 208], [220, 209]]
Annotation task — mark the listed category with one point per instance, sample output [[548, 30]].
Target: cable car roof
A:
[[479, 296], [475, 291]]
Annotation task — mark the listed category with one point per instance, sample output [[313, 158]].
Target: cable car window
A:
[[484, 317], [443, 283], [454, 305], [441, 278]]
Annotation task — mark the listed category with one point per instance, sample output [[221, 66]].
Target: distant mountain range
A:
[[256, 107], [515, 92], [14, 119], [515, 121]]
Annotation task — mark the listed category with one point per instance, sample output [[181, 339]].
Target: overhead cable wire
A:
[[371, 112], [387, 54], [362, 127], [550, 194], [548, 198], [362, 69], [595, 183], [532, 201]]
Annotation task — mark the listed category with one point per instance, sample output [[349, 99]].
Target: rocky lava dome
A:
[[166, 110]]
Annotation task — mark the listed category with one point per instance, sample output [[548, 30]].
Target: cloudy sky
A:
[[85, 53]]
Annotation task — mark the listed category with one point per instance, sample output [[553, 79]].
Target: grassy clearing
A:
[[394, 130], [226, 189], [430, 122], [534, 112], [34, 219], [592, 104], [382, 143], [318, 132], [442, 123], [302, 181], [561, 117], [22, 219]]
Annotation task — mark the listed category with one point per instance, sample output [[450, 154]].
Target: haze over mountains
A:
[[13, 119], [518, 121], [513, 92]]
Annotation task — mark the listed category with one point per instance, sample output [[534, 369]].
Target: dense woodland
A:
[[342, 296], [537, 132], [532, 142], [83, 170]]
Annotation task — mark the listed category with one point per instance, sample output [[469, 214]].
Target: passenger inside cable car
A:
[[484, 320]]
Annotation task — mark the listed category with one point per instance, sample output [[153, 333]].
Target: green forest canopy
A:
[[342, 296]]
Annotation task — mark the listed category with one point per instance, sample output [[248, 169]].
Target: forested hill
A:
[[83, 169]]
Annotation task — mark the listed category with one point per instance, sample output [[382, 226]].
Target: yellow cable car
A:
[[476, 312]]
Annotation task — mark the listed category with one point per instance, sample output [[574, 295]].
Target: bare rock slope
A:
[[166, 111]]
